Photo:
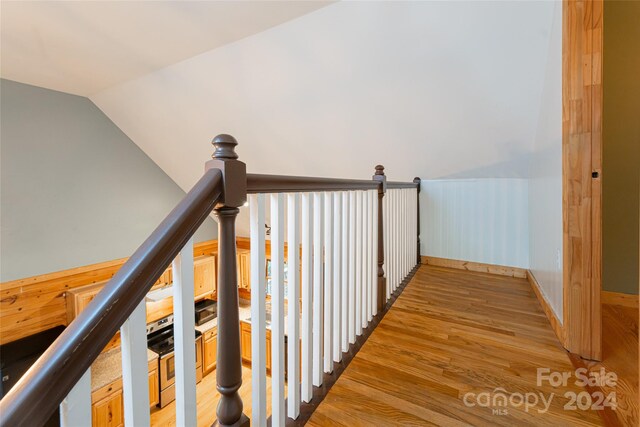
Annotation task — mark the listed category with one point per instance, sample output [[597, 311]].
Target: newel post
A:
[[229, 364], [382, 284], [417, 181]]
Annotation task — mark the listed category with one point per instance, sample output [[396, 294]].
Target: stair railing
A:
[[355, 251]]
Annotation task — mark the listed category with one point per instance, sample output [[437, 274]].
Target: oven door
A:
[[167, 370]]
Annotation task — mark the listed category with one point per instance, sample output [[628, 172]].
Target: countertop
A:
[[108, 367]]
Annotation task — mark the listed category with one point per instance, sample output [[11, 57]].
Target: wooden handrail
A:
[[257, 183], [34, 398], [395, 184]]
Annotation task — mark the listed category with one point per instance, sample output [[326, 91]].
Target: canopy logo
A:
[[500, 400]]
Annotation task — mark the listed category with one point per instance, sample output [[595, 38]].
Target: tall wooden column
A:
[[229, 363], [582, 175]]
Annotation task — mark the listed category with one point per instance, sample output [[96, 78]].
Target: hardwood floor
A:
[[620, 356], [449, 334], [207, 401]]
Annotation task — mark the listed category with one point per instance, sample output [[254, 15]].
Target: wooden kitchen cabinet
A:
[[245, 344], [154, 385], [244, 269], [79, 298], [204, 276], [210, 350], [107, 406]]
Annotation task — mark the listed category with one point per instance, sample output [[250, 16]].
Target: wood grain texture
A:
[[616, 298], [34, 304], [478, 267], [451, 332], [620, 356], [555, 323], [582, 175]]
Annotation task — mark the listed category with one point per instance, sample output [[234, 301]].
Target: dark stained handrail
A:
[[394, 184], [257, 183], [34, 398]]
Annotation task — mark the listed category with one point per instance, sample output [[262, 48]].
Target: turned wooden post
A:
[[382, 284], [417, 180], [229, 363]]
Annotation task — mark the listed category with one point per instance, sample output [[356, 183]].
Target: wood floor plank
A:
[[450, 333]]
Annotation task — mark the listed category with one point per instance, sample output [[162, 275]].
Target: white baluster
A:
[[307, 297], [135, 366], [365, 258], [317, 288], [328, 285], [293, 307], [358, 264], [373, 246], [374, 297], [352, 267], [345, 272], [75, 409], [277, 310], [183, 335], [258, 311], [337, 275]]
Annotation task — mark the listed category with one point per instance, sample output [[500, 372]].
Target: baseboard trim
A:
[[477, 267], [556, 325], [617, 298]]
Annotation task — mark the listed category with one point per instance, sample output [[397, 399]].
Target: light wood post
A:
[[229, 363]]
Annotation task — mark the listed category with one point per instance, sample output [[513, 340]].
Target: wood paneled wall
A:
[[34, 304], [582, 174]]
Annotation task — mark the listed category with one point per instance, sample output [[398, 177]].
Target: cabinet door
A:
[[108, 412], [210, 350], [244, 270], [204, 277], [245, 341], [154, 393]]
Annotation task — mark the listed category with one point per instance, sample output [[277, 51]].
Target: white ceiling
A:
[[83, 47]]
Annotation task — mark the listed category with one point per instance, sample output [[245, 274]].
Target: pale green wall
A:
[[621, 142], [75, 189]]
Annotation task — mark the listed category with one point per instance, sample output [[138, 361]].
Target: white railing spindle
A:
[[344, 318], [258, 311], [75, 409], [337, 274], [358, 264], [293, 308], [352, 267], [135, 371], [307, 295], [328, 285], [183, 335], [317, 288], [277, 310]]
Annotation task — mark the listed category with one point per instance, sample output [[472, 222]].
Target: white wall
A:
[[428, 89], [545, 183], [480, 220]]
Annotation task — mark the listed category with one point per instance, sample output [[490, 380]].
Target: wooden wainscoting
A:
[[616, 298], [38, 303], [478, 267]]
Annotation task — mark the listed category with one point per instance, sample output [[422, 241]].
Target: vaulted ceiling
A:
[[430, 89]]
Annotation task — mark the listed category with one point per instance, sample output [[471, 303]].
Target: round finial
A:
[[417, 180], [225, 147], [379, 170]]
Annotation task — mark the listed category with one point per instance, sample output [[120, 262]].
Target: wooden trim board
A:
[[556, 325], [477, 267], [616, 298]]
